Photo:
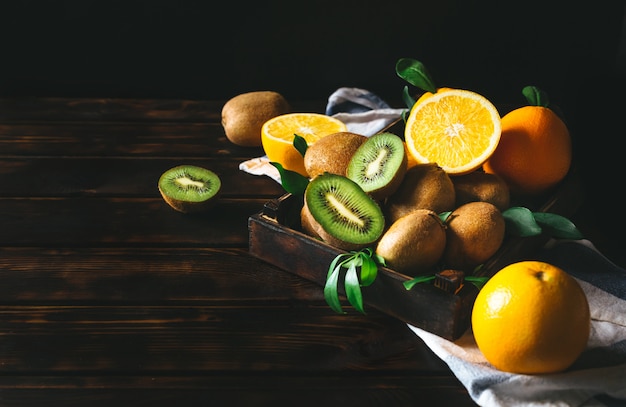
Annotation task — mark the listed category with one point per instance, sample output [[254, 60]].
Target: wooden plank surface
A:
[[107, 295]]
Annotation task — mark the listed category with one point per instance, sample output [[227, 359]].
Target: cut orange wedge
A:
[[454, 128], [277, 135]]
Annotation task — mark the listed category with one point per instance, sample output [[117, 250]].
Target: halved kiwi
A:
[[338, 211], [188, 188], [378, 165]]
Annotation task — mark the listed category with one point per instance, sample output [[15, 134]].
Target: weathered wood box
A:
[[275, 236]]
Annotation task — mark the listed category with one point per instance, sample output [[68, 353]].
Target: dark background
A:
[[216, 50], [206, 49]]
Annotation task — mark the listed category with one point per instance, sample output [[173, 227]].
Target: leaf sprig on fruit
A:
[[292, 181], [361, 271], [416, 74]]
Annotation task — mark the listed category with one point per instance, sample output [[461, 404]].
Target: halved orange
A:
[[455, 128], [277, 135]]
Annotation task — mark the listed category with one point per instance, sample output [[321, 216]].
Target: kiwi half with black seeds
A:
[[378, 165], [188, 188], [337, 210]]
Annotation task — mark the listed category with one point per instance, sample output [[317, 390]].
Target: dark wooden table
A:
[[110, 297]]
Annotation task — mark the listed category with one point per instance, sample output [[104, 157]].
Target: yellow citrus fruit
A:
[[531, 317], [535, 150], [277, 135], [455, 128]]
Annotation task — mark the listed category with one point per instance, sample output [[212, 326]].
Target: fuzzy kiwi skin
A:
[[332, 153], [243, 115], [474, 233], [309, 226], [189, 206], [383, 191], [424, 186], [313, 227], [414, 243], [482, 186]]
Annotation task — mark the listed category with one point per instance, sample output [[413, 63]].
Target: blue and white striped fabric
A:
[[362, 111], [354, 100], [597, 378]]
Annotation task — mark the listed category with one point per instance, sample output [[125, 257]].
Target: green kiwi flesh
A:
[[379, 165], [188, 188], [342, 214]]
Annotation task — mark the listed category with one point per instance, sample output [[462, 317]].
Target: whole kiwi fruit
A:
[[188, 188], [244, 115], [481, 186], [414, 243], [332, 153], [424, 186], [379, 165], [474, 232], [339, 212]]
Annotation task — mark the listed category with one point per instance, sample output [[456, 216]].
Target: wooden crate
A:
[[275, 236]]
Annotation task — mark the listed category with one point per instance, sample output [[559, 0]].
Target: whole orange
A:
[[534, 152], [531, 317]]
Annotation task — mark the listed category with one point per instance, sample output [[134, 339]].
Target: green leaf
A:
[[444, 216], [409, 101], [291, 181], [557, 226], [353, 288], [367, 261], [369, 270], [405, 115], [419, 279], [535, 96], [331, 295], [479, 282], [415, 73], [520, 222], [300, 144], [379, 259]]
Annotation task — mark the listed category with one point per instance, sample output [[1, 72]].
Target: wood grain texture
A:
[[108, 295]]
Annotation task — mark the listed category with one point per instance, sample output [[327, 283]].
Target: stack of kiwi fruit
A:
[[363, 193]]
